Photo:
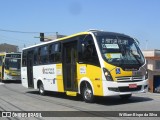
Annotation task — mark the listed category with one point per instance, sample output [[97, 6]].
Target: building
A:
[[153, 65], [8, 48]]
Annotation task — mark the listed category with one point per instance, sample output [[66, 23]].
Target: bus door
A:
[[30, 68], [2, 71], [69, 66]]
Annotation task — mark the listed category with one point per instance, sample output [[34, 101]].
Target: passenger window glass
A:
[[55, 53], [44, 54], [89, 53], [36, 56]]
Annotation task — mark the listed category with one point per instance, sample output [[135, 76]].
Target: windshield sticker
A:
[[59, 71], [108, 55], [13, 60], [118, 71], [114, 55], [113, 46]]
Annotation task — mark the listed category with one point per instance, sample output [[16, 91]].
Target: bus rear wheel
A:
[[41, 89], [88, 94], [125, 97]]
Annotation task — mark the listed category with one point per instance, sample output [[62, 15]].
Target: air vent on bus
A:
[[130, 79], [91, 30]]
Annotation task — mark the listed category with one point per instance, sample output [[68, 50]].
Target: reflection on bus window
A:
[[89, 52], [120, 50], [55, 53]]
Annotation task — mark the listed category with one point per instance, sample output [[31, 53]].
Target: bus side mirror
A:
[[81, 53], [83, 48]]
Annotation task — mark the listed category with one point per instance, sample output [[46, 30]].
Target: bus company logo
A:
[[118, 71], [48, 71], [6, 114]]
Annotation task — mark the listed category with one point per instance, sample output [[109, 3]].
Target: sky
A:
[[139, 19]]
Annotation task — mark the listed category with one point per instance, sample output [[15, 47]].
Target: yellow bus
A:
[[91, 63], [10, 65]]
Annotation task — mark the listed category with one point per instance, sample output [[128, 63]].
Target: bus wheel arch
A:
[[40, 87], [86, 91]]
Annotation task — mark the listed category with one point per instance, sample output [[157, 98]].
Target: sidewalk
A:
[[154, 93], [1, 83]]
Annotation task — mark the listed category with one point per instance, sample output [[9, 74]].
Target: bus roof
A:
[[96, 32], [63, 38]]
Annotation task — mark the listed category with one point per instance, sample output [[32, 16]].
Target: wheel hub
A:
[[41, 89], [88, 94]]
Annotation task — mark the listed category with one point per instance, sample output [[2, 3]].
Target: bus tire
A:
[[41, 89], [125, 97], [87, 94]]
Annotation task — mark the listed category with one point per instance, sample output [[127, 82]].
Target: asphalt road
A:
[[15, 97]]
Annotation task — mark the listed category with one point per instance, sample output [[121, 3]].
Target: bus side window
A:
[[51, 55], [36, 56], [39, 56], [55, 53], [44, 54], [88, 50]]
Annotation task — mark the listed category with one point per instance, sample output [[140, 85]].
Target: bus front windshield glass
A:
[[120, 51], [12, 64]]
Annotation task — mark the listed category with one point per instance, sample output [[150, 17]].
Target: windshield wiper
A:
[[135, 56]]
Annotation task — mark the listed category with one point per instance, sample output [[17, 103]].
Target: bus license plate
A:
[[132, 85]]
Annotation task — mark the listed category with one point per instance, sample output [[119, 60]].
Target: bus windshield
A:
[[121, 51], [12, 64]]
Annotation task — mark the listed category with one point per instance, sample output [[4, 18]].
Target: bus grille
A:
[[127, 89], [129, 79]]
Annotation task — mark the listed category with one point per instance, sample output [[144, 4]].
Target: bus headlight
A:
[[146, 75], [107, 75]]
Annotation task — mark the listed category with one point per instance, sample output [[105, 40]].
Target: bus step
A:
[[71, 93]]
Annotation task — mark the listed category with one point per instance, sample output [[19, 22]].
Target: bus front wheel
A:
[[41, 89], [88, 94]]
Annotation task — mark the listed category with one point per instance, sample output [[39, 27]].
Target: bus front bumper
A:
[[9, 77], [119, 88]]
